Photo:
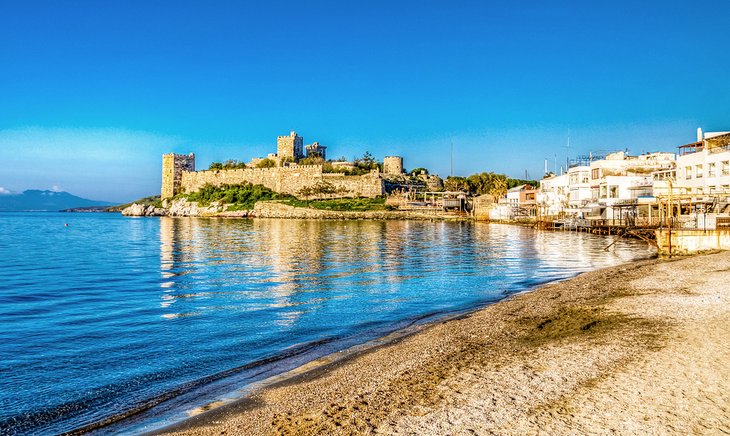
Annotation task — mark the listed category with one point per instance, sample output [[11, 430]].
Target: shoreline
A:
[[275, 209], [519, 364]]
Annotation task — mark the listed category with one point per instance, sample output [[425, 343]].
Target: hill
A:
[[37, 200]]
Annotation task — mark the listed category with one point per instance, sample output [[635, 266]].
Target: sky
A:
[[93, 92]]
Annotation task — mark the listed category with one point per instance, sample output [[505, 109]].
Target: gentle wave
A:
[[115, 317]]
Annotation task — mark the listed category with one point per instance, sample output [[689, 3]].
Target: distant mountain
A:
[[36, 200]]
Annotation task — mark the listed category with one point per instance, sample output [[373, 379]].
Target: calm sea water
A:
[[149, 317]]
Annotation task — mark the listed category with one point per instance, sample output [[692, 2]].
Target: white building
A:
[[603, 188], [552, 198], [703, 167], [620, 180], [579, 186]]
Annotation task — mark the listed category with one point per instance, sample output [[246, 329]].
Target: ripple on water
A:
[[113, 313]]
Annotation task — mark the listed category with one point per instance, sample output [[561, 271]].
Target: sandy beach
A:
[[637, 349]]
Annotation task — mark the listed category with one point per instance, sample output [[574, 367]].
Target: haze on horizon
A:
[[92, 93]]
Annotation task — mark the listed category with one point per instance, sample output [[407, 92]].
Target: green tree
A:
[[366, 162], [455, 183], [312, 160], [418, 171], [265, 163]]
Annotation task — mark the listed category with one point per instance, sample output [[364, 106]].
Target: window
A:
[[711, 170], [712, 190], [613, 192], [698, 171], [688, 173], [595, 173], [725, 168]]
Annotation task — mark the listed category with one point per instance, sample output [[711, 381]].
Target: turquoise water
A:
[[132, 320]]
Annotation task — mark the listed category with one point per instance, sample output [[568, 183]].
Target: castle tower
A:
[[173, 165], [393, 165], [316, 150], [290, 147]]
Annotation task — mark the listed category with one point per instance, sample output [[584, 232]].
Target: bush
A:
[[242, 196], [343, 204], [266, 163]]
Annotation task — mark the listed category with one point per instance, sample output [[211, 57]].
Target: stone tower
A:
[[316, 150], [393, 165], [173, 165], [290, 147]]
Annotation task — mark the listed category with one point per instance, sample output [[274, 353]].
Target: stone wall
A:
[[285, 180], [692, 241], [368, 185]]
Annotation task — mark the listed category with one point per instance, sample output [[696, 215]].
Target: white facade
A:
[[580, 186], [552, 198], [594, 189], [705, 172], [513, 196]]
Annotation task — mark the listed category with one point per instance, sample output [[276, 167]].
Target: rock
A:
[[142, 210], [134, 210]]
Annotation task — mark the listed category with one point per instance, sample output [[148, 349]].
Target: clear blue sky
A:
[[92, 92]]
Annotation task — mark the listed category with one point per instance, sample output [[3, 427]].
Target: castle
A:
[[286, 177]]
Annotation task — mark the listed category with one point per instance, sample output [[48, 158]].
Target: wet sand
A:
[[636, 349]]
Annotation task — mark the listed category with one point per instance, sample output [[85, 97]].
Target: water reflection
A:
[[294, 269]]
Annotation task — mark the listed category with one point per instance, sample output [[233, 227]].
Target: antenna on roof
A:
[[567, 151]]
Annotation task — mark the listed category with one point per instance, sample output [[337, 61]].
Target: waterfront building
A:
[[579, 187], [522, 200], [621, 181], [554, 194], [604, 187], [703, 167]]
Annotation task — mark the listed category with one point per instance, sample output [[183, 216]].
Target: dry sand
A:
[[637, 349]]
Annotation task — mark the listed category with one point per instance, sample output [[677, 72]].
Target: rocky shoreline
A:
[[634, 349], [273, 209]]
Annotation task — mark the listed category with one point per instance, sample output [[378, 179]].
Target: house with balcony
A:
[[703, 168], [553, 195]]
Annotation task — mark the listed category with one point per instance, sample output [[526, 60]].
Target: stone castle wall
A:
[[368, 185], [285, 180]]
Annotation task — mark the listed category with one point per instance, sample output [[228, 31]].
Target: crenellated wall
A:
[[285, 180]]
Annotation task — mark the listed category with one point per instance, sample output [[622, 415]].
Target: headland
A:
[[639, 348]]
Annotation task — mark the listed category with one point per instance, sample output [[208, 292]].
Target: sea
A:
[[113, 324]]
